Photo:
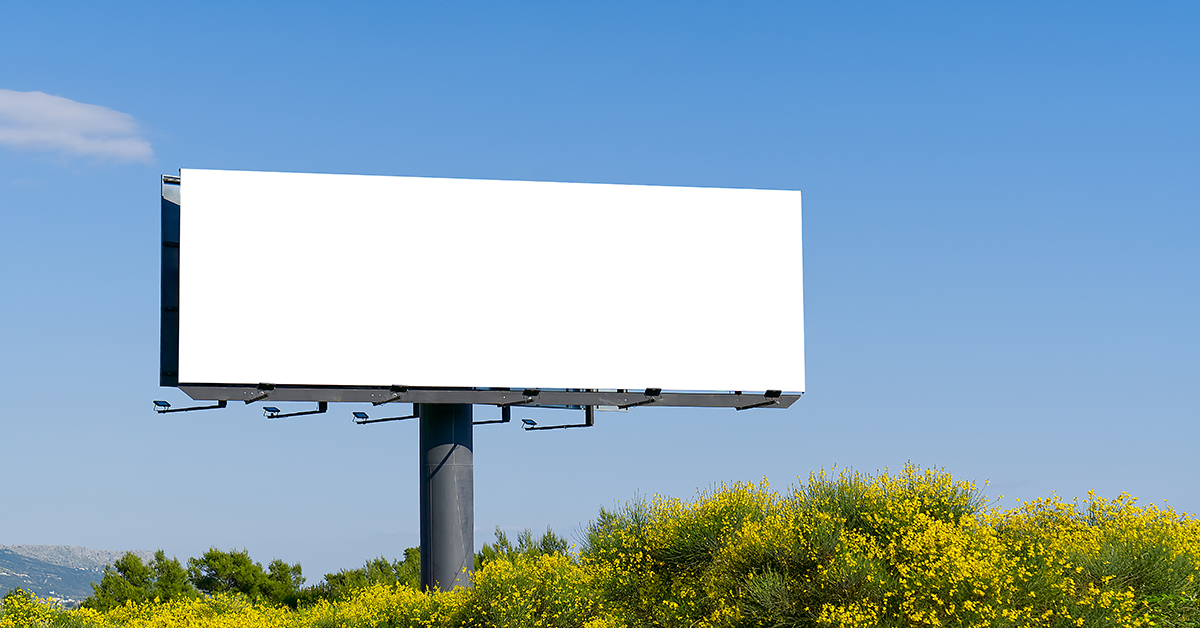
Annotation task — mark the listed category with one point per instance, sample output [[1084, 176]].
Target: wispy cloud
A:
[[37, 121]]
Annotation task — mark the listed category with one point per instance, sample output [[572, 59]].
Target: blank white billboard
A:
[[349, 280]]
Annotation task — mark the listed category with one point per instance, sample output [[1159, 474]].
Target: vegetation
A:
[[915, 548], [502, 549], [343, 584], [131, 580]]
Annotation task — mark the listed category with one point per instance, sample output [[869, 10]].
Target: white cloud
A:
[[37, 121]]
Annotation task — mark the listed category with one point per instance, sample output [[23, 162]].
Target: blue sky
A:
[[1002, 275]]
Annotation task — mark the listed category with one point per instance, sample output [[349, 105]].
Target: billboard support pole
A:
[[447, 478]]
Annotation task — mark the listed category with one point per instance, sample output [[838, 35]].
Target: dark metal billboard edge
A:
[[529, 397]]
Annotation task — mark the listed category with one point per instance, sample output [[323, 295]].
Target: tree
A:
[[548, 543], [284, 582], [409, 572], [170, 579], [228, 572], [377, 571], [131, 580], [127, 580]]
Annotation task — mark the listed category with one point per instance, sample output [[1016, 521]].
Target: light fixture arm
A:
[[165, 409], [589, 420], [361, 418], [505, 416], [322, 406]]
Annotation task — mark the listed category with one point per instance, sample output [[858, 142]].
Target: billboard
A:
[[329, 283]]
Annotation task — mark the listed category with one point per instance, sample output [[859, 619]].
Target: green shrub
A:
[[548, 544], [907, 549]]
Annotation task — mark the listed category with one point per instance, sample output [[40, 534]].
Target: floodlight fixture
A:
[[528, 424], [362, 418], [162, 407], [272, 412]]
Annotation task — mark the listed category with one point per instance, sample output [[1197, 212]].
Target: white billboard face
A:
[[347, 280]]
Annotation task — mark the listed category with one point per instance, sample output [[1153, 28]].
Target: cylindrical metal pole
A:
[[447, 496]]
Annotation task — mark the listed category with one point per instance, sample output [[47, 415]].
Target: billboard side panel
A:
[[168, 359], [351, 280]]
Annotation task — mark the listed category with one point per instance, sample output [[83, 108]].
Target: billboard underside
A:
[[320, 283]]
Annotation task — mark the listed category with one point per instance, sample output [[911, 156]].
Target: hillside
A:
[[58, 571]]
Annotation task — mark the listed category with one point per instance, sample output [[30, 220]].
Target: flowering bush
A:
[[915, 548]]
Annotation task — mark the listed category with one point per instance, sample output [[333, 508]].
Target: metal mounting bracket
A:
[[398, 393], [264, 390], [652, 395], [529, 396], [772, 399]]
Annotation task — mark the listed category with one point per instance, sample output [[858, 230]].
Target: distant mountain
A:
[[61, 572], [73, 555]]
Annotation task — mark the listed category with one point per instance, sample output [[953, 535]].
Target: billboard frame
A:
[[249, 392]]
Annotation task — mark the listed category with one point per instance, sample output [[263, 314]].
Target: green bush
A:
[[342, 584], [909, 549], [548, 544]]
